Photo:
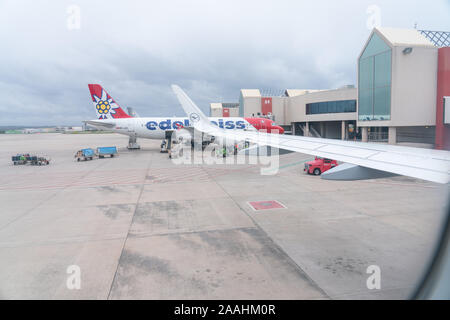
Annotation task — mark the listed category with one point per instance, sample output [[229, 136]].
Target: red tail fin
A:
[[105, 106]]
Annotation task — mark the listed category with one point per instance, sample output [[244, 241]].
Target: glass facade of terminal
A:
[[331, 107], [374, 81]]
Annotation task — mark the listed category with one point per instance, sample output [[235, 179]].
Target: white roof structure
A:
[[299, 92], [250, 93], [289, 92], [216, 105], [404, 37]]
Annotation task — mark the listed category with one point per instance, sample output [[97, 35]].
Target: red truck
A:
[[319, 165]]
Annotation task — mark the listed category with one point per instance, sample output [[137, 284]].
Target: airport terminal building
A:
[[402, 81]]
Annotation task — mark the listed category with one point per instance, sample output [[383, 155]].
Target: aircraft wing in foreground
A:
[[427, 164]]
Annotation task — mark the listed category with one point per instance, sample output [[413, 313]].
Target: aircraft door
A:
[[141, 130], [131, 128]]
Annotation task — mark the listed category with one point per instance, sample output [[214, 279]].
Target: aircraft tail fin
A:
[[105, 106]]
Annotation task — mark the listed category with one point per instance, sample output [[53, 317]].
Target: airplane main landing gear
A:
[[132, 144]]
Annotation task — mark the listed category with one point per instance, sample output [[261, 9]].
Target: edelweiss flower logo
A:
[[104, 105]]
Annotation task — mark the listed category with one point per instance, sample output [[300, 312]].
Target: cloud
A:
[[136, 49]]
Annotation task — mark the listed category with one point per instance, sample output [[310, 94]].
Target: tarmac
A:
[[139, 226]]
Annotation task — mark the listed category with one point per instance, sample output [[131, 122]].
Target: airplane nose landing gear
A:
[[132, 144]]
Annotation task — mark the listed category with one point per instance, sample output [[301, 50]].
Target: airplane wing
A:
[[427, 164], [103, 124]]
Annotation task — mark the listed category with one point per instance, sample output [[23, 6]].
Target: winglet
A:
[[196, 117]]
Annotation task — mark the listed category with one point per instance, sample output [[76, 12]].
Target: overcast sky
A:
[[136, 49]]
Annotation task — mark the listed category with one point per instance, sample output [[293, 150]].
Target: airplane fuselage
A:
[[155, 128]]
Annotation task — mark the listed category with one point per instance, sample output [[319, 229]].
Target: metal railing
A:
[[378, 136]]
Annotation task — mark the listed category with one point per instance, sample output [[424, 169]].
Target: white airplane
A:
[[362, 160], [110, 116]]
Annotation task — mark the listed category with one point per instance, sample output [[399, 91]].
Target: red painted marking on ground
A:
[[265, 205]]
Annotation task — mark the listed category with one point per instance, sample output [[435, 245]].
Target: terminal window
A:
[[331, 107], [374, 81]]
